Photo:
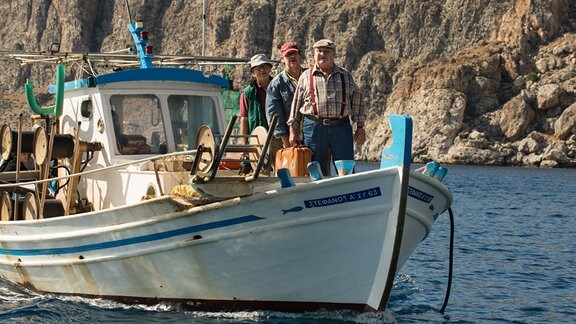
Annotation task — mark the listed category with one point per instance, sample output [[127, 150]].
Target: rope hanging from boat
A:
[[450, 262]]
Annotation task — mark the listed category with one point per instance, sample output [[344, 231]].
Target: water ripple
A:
[[514, 263]]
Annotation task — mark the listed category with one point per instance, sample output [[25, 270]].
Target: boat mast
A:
[[128, 9], [203, 26], [145, 51]]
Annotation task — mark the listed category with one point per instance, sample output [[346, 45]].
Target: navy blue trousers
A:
[[328, 140]]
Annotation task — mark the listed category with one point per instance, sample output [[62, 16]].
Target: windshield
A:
[[139, 127], [187, 114], [138, 124]]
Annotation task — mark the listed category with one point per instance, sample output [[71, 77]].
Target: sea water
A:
[[514, 262]]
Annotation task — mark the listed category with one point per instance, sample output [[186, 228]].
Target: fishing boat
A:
[[128, 201]]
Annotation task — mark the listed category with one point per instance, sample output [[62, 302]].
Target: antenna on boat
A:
[[128, 9], [203, 26]]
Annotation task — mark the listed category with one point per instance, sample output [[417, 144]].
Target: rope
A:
[[451, 262], [121, 165]]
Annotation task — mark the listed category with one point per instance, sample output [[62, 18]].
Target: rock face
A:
[[486, 82]]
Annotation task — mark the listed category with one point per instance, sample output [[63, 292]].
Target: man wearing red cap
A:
[[281, 90]]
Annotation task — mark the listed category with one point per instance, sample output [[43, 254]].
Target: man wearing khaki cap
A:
[[326, 101], [281, 90]]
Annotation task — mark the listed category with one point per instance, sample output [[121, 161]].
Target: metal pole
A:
[[203, 27], [18, 153], [128, 9]]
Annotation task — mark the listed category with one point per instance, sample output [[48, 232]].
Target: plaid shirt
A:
[[328, 97]]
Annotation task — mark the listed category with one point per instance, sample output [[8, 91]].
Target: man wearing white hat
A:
[[326, 101], [253, 102], [253, 97]]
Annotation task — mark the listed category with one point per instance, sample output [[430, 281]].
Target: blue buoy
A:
[[431, 168], [315, 171], [286, 180], [440, 174], [344, 167]]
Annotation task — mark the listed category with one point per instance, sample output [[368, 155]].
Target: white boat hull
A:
[[327, 244]]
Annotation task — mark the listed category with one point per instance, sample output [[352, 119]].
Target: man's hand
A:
[[285, 141], [360, 136], [294, 139]]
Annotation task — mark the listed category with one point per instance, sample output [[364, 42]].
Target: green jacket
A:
[[256, 113]]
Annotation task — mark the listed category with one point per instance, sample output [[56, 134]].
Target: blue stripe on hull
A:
[[133, 240]]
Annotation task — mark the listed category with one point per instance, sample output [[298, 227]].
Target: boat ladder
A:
[[209, 154]]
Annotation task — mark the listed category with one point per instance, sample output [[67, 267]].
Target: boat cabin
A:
[[130, 135], [135, 114]]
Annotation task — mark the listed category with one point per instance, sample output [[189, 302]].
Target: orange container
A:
[[295, 159]]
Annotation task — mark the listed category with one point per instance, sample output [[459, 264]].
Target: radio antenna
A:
[[128, 9]]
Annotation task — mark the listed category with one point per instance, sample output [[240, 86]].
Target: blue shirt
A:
[[279, 97]]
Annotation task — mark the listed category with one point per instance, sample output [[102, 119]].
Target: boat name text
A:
[[420, 195], [344, 198]]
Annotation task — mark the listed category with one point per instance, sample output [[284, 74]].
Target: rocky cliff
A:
[[487, 82]]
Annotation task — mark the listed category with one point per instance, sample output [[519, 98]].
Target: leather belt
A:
[[328, 121]]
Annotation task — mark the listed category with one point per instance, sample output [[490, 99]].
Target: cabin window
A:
[[86, 109], [187, 114], [138, 124]]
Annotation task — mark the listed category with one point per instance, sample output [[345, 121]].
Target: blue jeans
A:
[[326, 140]]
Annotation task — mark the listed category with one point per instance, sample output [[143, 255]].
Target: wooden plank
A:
[[9, 176]]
